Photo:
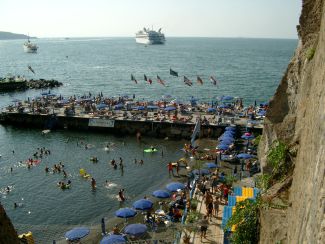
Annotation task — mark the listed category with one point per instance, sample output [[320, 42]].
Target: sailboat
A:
[[30, 47]]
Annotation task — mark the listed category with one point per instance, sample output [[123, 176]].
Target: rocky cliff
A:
[[7, 231], [297, 117]]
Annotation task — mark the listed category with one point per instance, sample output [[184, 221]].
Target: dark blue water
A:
[[248, 68]]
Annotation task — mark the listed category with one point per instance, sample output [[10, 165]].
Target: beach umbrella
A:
[[135, 229], [174, 186], [223, 147], [261, 113], [101, 106], [211, 110], [247, 137], [226, 98], [161, 194], [230, 128], [211, 165], [76, 233], [111, 239], [244, 156], [170, 109], [201, 172], [143, 204], [152, 107], [125, 213], [223, 106], [139, 108], [118, 106]]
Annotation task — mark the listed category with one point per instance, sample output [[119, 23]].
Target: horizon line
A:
[[221, 37]]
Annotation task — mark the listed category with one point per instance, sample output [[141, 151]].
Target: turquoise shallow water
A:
[[248, 68]]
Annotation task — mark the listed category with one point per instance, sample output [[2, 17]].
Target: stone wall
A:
[[7, 232], [297, 117]]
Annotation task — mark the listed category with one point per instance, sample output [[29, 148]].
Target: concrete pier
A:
[[121, 126]]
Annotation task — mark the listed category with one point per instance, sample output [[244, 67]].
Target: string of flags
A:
[[174, 73]]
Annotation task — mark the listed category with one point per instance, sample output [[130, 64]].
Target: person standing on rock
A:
[[170, 168]]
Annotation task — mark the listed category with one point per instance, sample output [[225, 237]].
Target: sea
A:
[[246, 68]]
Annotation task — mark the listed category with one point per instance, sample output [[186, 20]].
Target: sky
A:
[[183, 18]]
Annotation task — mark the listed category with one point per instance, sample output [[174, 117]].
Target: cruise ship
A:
[[149, 37], [30, 47]]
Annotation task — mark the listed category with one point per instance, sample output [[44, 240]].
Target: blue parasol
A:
[[143, 204], [230, 128], [223, 147], [170, 109], [111, 239], [247, 137], [125, 213], [211, 165], [174, 186], [244, 156], [101, 106], [152, 107], [135, 229], [161, 194], [211, 110], [201, 172], [118, 106], [138, 108], [226, 98], [76, 233]]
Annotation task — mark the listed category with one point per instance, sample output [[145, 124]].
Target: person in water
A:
[[121, 195], [93, 183]]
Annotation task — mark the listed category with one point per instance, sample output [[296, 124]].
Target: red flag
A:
[[199, 80], [160, 81], [133, 78], [187, 81], [214, 81]]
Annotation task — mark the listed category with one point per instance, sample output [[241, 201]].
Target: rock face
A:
[[7, 231], [297, 117]]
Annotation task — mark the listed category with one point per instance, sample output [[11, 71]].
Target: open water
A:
[[248, 68]]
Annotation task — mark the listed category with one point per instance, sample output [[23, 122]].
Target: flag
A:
[[31, 69], [187, 81], [199, 80], [173, 73], [145, 78], [214, 81], [160, 81], [133, 78], [196, 131], [150, 81]]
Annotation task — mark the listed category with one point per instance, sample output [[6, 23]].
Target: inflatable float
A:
[[84, 174], [149, 150]]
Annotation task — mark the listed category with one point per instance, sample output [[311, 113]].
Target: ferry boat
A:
[[30, 47], [150, 37]]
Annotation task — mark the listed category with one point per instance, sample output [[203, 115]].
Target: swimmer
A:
[[93, 183], [15, 205], [11, 169], [121, 195], [7, 189], [46, 169]]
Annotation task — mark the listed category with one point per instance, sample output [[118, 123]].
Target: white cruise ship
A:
[[149, 37], [30, 47]]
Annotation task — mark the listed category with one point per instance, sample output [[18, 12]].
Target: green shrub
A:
[[263, 182], [192, 217], [278, 159], [257, 140], [245, 219], [310, 53]]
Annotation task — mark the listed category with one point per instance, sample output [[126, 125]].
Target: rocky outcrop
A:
[[297, 117], [7, 232]]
